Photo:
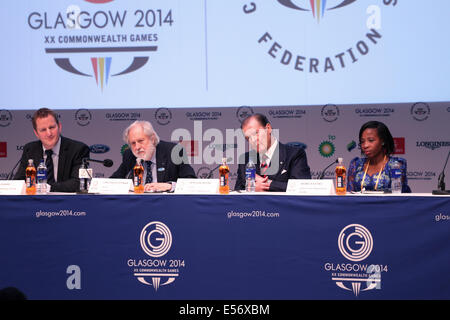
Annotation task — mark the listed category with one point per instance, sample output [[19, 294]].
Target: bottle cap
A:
[[30, 161], [224, 160], [340, 160]]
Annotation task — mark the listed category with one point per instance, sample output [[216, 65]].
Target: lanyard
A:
[[379, 174]]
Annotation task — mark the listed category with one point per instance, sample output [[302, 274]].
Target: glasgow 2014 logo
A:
[[355, 243], [95, 39], [156, 241], [159, 233], [364, 242]]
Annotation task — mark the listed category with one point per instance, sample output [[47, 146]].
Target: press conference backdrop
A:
[[317, 70], [420, 130]]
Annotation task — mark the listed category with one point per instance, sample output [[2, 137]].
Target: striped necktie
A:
[[264, 166]]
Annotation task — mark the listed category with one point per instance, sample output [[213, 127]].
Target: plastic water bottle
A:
[[396, 178], [41, 177], [250, 175]]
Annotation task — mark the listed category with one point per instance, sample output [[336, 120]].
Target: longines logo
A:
[[76, 37], [355, 243], [281, 41], [432, 145], [156, 241]]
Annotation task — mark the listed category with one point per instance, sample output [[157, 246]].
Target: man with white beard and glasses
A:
[[163, 162]]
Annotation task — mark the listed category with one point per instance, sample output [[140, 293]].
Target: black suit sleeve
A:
[[296, 166], [128, 161], [184, 168], [240, 179], [74, 157]]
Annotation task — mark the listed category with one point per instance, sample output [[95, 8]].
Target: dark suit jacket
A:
[[292, 164], [71, 154], [166, 169]]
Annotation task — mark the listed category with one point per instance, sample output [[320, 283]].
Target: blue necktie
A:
[[148, 177]]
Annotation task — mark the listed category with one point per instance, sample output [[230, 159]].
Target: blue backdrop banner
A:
[[226, 247]]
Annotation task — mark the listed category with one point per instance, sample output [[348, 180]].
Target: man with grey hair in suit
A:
[[276, 162], [164, 162]]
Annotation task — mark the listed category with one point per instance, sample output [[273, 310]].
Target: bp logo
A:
[[326, 149], [161, 269], [355, 243]]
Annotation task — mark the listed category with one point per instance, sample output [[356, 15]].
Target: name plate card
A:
[[197, 186], [110, 186], [12, 187], [310, 187]]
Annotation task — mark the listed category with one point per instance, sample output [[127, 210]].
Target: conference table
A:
[[213, 247]]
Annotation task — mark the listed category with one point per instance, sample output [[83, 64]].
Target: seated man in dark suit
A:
[[165, 162], [63, 156], [276, 163]]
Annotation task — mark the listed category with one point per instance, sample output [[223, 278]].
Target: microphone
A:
[[441, 181], [10, 176], [212, 170], [107, 162], [322, 174]]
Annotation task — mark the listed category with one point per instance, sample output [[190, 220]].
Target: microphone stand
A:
[[322, 174], [11, 174], [441, 181], [211, 172]]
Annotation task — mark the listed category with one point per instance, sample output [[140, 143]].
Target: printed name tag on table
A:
[[110, 186], [12, 187], [197, 186], [310, 187]]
